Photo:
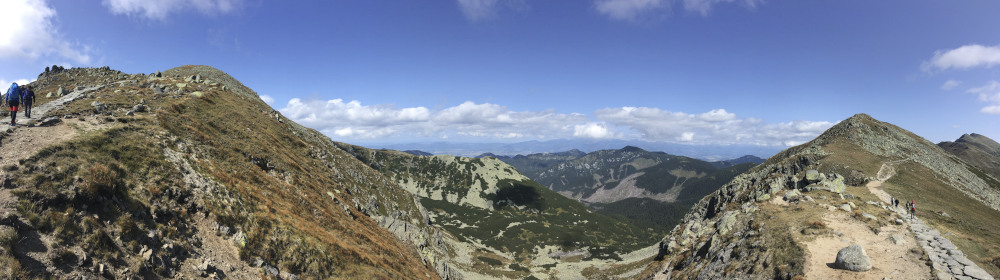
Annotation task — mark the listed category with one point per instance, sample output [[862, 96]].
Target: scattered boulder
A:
[[99, 107], [61, 91], [845, 207], [763, 197], [792, 195], [50, 121], [853, 258], [197, 94]]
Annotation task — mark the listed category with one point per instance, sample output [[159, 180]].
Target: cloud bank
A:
[[472, 121], [161, 9], [28, 33]]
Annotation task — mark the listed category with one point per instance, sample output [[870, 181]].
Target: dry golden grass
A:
[[285, 192]]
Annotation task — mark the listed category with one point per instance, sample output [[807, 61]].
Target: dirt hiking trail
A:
[[896, 251]]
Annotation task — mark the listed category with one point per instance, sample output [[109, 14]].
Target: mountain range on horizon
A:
[[186, 173], [703, 152]]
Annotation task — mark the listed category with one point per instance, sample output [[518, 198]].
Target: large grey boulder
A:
[[853, 258], [813, 176]]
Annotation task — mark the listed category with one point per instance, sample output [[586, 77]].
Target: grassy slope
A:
[[276, 186], [663, 216], [262, 160]]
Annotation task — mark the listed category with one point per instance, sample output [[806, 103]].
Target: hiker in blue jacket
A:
[[28, 98], [13, 99]]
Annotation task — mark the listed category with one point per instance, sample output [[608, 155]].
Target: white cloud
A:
[[489, 122], [994, 109], [631, 10], [950, 84], [990, 94], [628, 9], [592, 130], [469, 119], [964, 57], [28, 32], [160, 9], [267, 99], [704, 6], [714, 127], [478, 10]]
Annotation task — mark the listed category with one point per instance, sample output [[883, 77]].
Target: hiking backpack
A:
[[13, 93]]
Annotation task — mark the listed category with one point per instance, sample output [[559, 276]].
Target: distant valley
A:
[[653, 189]]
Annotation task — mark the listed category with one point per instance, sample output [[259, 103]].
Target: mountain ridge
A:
[[764, 222]]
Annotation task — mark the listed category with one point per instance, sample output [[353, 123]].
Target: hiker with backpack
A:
[[28, 98], [913, 208], [13, 99]]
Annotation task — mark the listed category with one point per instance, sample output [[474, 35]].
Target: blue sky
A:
[[745, 72]]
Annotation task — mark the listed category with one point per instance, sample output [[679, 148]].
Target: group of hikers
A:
[[17, 97], [911, 206]]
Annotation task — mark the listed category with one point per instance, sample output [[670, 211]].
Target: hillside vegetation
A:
[[144, 192], [524, 229]]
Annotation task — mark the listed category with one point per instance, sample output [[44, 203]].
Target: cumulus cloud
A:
[[990, 94], [478, 10], [592, 130], [489, 122], [950, 84], [160, 9], [631, 10], [28, 32], [355, 120], [714, 127], [964, 57]]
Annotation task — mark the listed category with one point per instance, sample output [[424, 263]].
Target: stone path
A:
[[947, 261], [40, 111]]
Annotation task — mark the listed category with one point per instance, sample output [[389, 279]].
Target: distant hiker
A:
[[13, 99], [913, 208], [28, 98]]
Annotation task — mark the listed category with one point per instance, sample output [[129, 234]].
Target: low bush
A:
[[100, 179]]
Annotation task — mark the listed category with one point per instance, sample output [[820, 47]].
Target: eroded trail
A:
[[891, 260], [899, 259]]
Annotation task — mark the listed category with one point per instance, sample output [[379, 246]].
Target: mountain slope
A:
[[203, 167], [978, 150], [770, 221], [608, 176], [513, 227]]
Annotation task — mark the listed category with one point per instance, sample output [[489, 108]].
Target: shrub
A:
[[10, 268], [8, 237], [100, 178], [817, 224]]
